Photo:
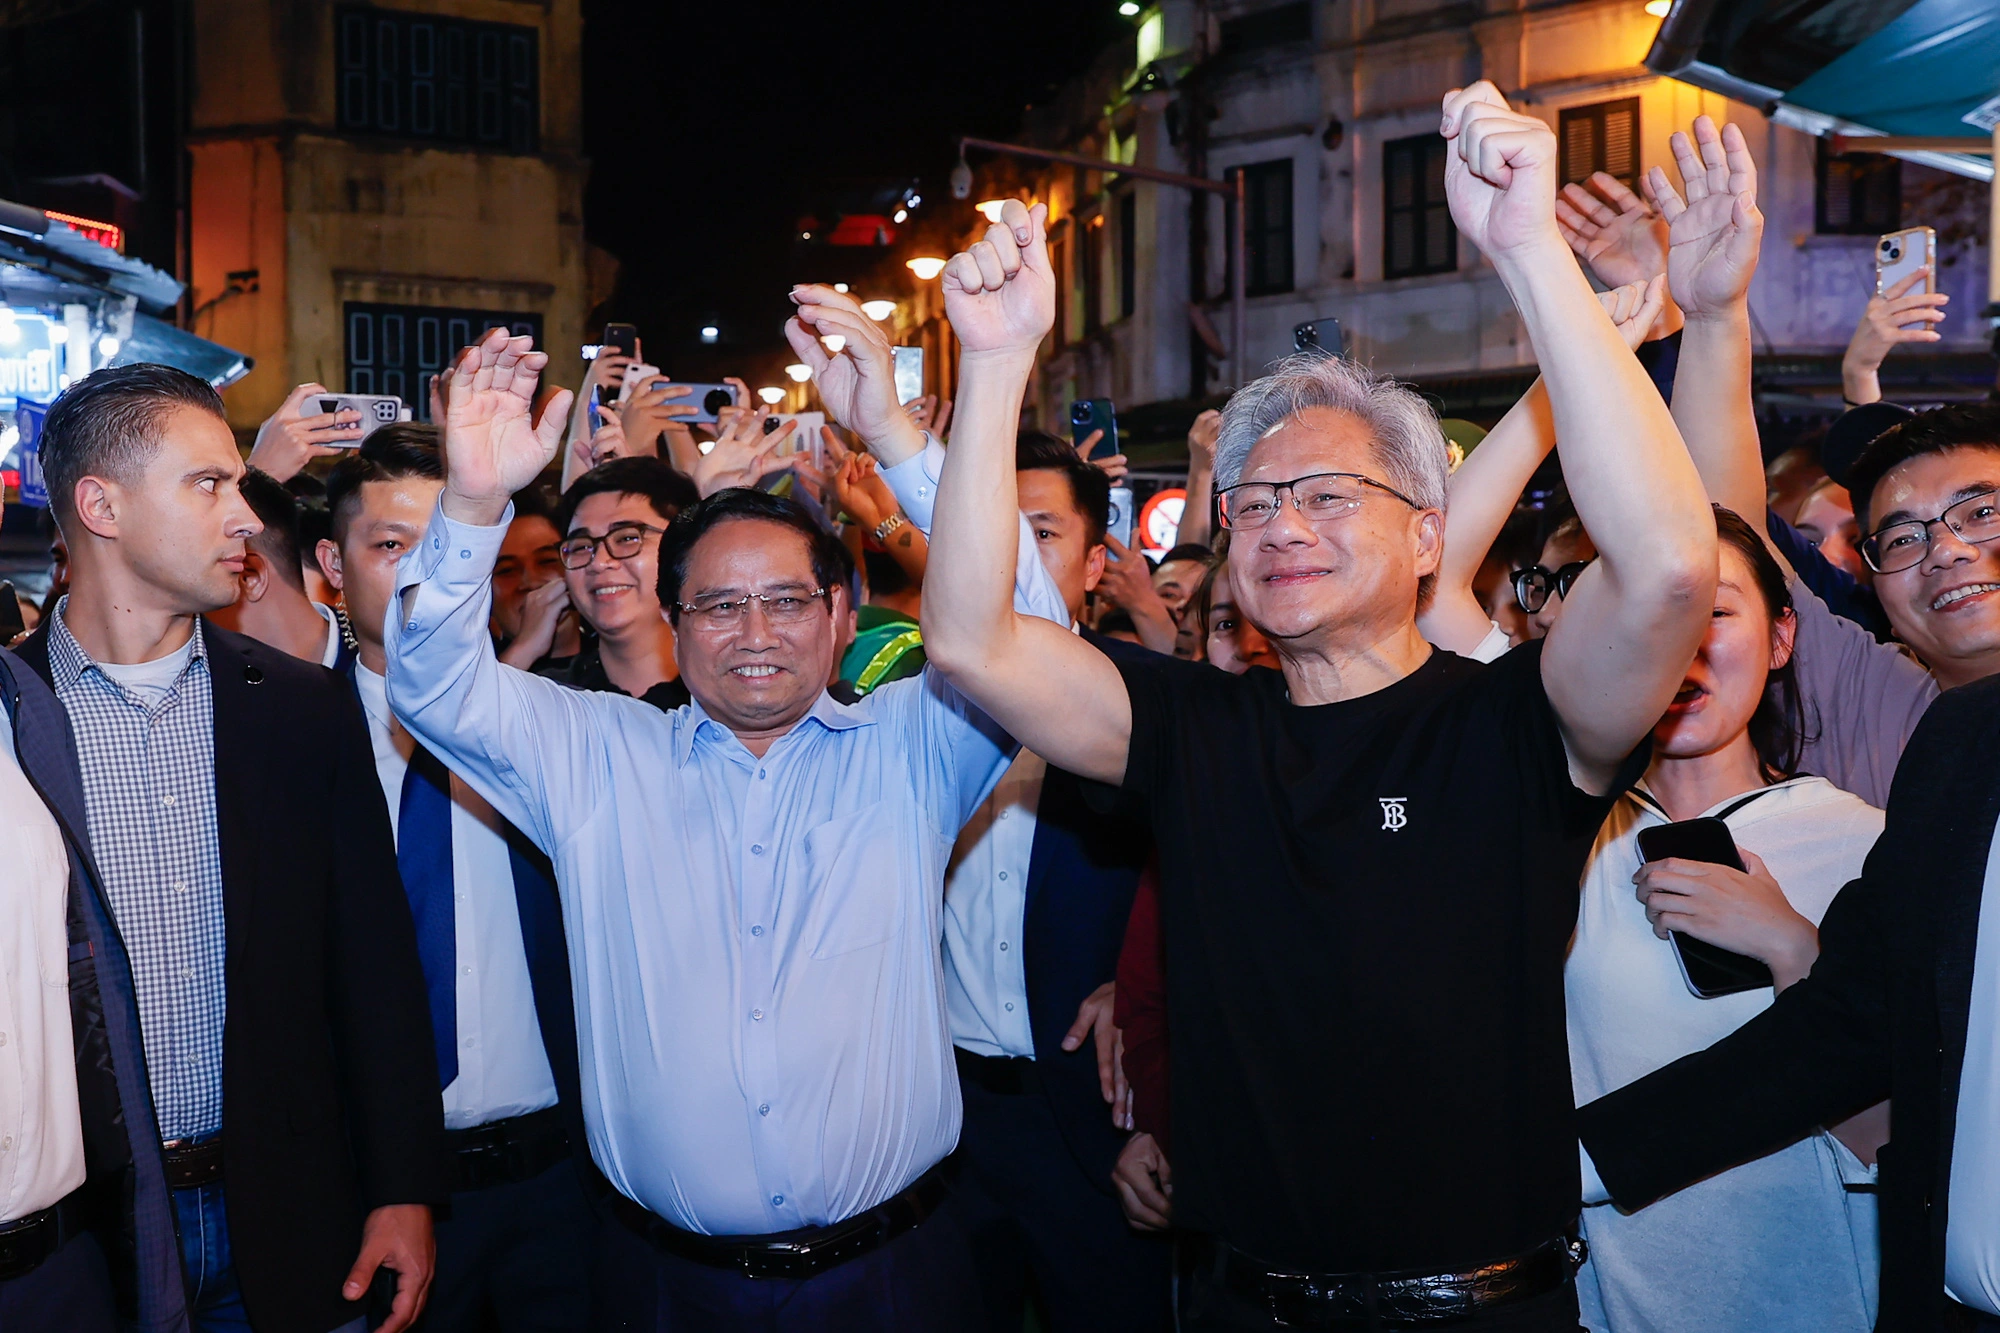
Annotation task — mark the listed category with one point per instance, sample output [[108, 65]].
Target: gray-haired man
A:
[[1368, 860]]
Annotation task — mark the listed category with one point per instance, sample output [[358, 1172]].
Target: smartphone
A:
[[1708, 969], [620, 340], [909, 373], [377, 410], [806, 439], [1094, 414], [1121, 515], [636, 373], [1901, 253], [1319, 335]]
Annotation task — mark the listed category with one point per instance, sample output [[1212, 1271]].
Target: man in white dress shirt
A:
[[514, 1253]]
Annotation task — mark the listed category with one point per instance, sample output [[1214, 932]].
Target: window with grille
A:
[[1267, 198], [445, 80], [1417, 232], [1602, 137], [400, 349], [1856, 194]]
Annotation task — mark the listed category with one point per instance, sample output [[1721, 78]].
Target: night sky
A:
[[713, 127]]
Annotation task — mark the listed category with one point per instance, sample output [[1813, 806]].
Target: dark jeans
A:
[[920, 1282], [215, 1302], [515, 1257], [1030, 1212], [1213, 1308], [70, 1291]]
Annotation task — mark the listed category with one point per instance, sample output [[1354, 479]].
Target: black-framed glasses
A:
[[1533, 585], [1321, 497], [623, 542], [780, 608], [1900, 546]]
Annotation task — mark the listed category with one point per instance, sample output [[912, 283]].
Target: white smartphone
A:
[[909, 373], [376, 409], [636, 374], [806, 439], [1901, 253]]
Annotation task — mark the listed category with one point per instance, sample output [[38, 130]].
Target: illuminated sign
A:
[[28, 362], [104, 233], [1160, 519]]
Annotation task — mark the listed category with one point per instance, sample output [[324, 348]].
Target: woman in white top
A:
[[1779, 1243]]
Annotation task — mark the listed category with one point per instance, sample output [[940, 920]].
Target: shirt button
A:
[[180, 886], [757, 1015], [1003, 946], [166, 800], [471, 1042], [756, 930], [776, 1199], [1003, 874], [411, 625], [3, 1039], [761, 773], [468, 971], [765, 1109], [187, 972], [7, 1142], [465, 555], [1010, 1006], [756, 849]]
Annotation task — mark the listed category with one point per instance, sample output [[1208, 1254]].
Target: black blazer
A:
[[1883, 1014], [330, 1101], [1082, 875]]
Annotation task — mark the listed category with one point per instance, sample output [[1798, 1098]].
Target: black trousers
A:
[[516, 1257], [920, 1282], [69, 1291], [1033, 1216]]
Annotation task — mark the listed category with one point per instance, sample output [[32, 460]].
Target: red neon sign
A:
[[104, 233]]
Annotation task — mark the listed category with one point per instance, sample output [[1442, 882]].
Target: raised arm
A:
[[526, 744], [1052, 691], [1631, 624], [1489, 482], [1713, 235]]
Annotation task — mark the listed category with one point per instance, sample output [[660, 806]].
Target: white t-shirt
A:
[[152, 680], [1777, 1245]]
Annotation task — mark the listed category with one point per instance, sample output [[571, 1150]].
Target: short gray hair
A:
[[1408, 443]]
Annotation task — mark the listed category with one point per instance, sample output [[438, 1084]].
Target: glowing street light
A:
[[772, 394], [991, 208], [878, 310], [834, 342], [799, 372], [709, 333], [925, 267], [1129, 10], [840, 286], [108, 345], [902, 215], [1658, 8]]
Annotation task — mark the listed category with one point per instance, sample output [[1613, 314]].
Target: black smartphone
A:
[[1709, 969], [1094, 414], [621, 340], [1319, 335]]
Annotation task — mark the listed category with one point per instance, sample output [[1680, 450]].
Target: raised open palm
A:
[[1000, 294], [1713, 233], [1613, 230], [492, 445]]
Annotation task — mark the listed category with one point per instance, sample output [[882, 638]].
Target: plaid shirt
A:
[[149, 792]]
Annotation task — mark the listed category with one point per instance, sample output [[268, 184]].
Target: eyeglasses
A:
[[780, 608], [1533, 585], [623, 542], [1901, 546], [1322, 497]]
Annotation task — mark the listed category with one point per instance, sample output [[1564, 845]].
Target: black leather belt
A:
[[792, 1255], [192, 1163], [505, 1152], [1002, 1075], [27, 1242], [1395, 1299]]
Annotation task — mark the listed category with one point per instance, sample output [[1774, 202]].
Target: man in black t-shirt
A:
[[1369, 860]]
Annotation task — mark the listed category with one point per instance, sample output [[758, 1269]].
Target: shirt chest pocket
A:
[[853, 882]]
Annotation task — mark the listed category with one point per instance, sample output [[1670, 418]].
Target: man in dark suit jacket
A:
[[240, 833], [123, 1199], [1036, 902], [1893, 1008]]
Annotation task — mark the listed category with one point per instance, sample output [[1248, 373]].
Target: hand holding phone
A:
[[1739, 901]]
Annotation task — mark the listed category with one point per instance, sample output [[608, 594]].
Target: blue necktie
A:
[[423, 855]]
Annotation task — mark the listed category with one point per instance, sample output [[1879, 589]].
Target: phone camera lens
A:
[[1079, 414], [771, 424], [716, 400], [1894, 252]]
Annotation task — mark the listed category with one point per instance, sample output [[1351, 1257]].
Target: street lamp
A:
[[1659, 8], [925, 267], [710, 333], [771, 394], [799, 372], [878, 310], [834, 342], [1129, 10], [991, 208]]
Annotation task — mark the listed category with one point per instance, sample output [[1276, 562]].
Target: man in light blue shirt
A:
[[752, 892]]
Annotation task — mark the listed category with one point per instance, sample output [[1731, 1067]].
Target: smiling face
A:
[[1725, 683], [618, 597], [181, 524], [1346, 581], [1234, 644], [527, 561], [757, 678], [1062, 534], [385, 520], [1947, 606]]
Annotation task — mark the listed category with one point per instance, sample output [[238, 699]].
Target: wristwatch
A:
[[889, 525]]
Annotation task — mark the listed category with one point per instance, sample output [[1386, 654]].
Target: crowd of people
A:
[[560, 866]]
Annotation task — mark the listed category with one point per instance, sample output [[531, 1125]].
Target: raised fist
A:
[[1000, 294], [1500, 174]]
